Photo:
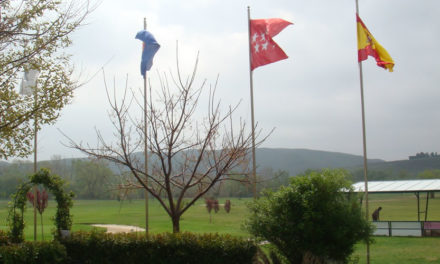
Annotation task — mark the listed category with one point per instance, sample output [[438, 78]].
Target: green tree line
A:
[[86, 178], [93, 179]]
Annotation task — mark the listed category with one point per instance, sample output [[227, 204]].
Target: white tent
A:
[[407, 186]]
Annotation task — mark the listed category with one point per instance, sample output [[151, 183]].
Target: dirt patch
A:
[[120, 228]]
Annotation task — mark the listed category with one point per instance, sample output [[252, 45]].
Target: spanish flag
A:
[[368, 46]]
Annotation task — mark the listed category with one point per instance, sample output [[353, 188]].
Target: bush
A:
[[33, 252], [96, 247], [315, 219]]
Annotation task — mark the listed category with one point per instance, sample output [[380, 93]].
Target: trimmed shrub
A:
[[96, 247], [33, 253]]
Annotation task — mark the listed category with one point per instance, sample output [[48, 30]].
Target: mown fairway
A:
[[386, 250], [401, 250], [404, 206], [86, 212]]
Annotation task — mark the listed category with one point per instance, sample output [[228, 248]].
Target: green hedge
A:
[[96, 247], [33, 253]]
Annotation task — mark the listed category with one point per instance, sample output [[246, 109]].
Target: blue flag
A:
[[149, 49]]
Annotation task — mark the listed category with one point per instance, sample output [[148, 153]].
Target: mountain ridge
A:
[[297, 160]]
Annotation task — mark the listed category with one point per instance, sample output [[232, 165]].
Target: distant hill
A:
[[411, 166], [296, 161], [274, 165], [400, 169]]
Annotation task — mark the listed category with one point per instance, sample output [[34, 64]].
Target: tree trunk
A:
[[176, 224], [42, 232], [309, 258]]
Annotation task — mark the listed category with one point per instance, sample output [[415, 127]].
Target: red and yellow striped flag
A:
[[368, 46]]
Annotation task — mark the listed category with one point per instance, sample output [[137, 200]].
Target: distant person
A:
[[375, 214]]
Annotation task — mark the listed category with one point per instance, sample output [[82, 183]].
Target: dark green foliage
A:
[[312, 218], [63, 219], [4, 238], [33, 252], [97, 247]]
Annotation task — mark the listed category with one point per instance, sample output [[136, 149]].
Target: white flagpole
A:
[[364, 140], [254, 166], [35, 161], [29, 87], [145, 143]]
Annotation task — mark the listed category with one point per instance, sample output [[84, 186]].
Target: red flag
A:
[[263, 49]]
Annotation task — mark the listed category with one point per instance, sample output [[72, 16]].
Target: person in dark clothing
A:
[[375, 214]]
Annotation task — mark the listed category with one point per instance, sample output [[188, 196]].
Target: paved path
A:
[[120, 228]]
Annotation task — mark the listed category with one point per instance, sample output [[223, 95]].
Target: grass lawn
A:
[[404, 206], [399, 250], [86, 212]]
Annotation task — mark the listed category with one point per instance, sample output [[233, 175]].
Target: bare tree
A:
[[188, 156]]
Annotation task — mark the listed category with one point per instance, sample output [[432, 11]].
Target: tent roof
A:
[[399, 186]]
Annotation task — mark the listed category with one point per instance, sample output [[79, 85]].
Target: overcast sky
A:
[[312, 99]]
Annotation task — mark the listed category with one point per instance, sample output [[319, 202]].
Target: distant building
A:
[[423, 155]]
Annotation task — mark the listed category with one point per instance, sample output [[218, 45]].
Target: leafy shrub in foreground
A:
[[315, 219]]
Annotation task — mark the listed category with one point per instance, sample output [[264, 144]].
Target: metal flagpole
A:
[[145, 143], [364, 140], [35, 161], [254, 164]]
